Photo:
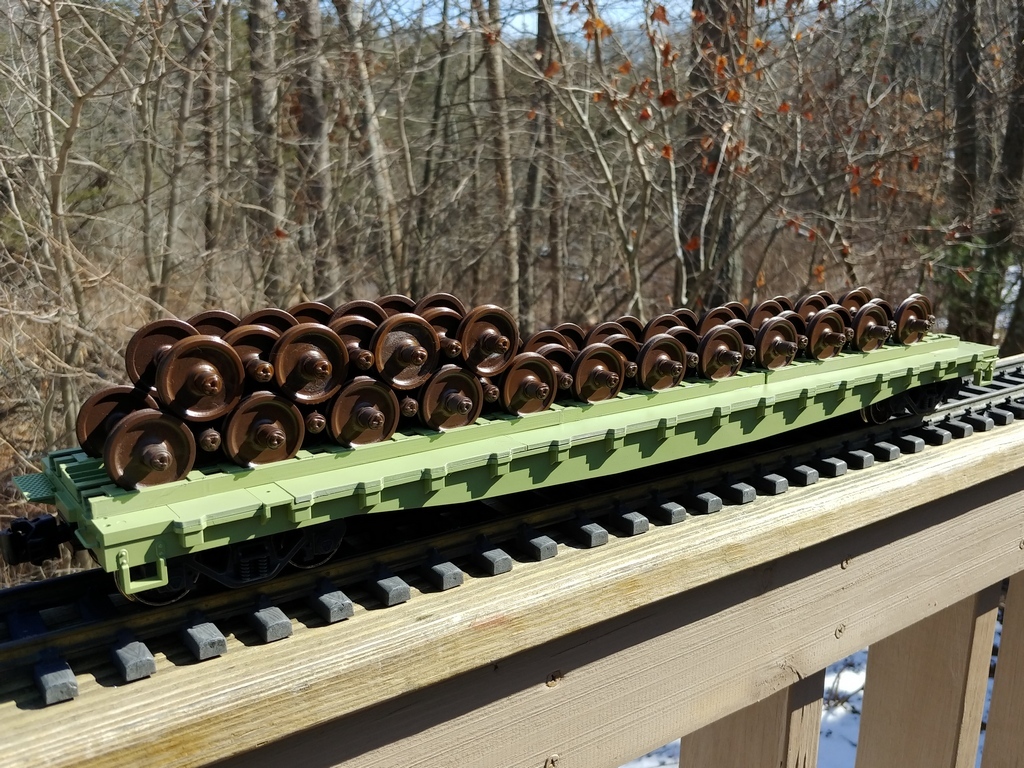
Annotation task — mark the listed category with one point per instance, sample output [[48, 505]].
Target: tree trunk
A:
[[713, 269], [351, 14], [556, 216], [966, 59], [534, 175], [267, 221], [490, 24], [424, 269], [975, 305], [315, 230], [212, 218], [964, 318], [159, 292]]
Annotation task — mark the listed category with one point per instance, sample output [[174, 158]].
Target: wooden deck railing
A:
[[716, 630]]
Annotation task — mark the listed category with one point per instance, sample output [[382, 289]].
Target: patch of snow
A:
[[663, 756]]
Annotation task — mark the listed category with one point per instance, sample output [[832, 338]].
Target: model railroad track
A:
[[46, 626]]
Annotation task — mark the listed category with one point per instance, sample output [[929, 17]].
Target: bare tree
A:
[[490, 27], [393, 256], [316, 232], [268, 219]]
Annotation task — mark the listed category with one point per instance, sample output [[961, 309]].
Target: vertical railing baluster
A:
[[780, 730], [925, 689], [1004, 736]]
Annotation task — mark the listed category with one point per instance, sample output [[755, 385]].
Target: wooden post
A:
[[1004, 737], [780, 731], [925, 689]]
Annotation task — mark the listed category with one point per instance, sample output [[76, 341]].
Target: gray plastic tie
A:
[[55, 680], [270, 622], [203, 639], [330, 603], [132, 658], [491, 559]]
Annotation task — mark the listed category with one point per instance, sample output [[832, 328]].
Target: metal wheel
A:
[[927, 302], [322, 559], [826, 335], [661, 362], [264, 428], [720, 353], [632, 325], [357, 334], [810, 305], [913, 320], [746, 332], [573, 333], [103, 410], [452, 398], [690, 341], [368, 309], [200, 378], [629, 351], [446, 300], [854, 299], [405, 350], [763, 311], [311, 312], [877, 413], [271, 317], [542, 338], [528, 385], [737, 308], [597, 374], [776, 343], [155, 598], [800, 325], [396, 304], [659, 325], [688, 318], [870, 327], [150, 342], [785, 302], [602, 331], [364, 412], [324, 545], [254, 343], [885, 306], [214, 322], [844, 313], [490, 339], [713, 318], [561, 359], [445, 321], [149, 448], [310, 363]]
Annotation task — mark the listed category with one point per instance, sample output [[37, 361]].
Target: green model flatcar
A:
[[139, 535]]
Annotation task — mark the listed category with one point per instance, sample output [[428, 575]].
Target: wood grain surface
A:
[[595, 656]]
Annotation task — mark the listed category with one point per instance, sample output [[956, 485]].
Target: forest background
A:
[[566, 159]]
